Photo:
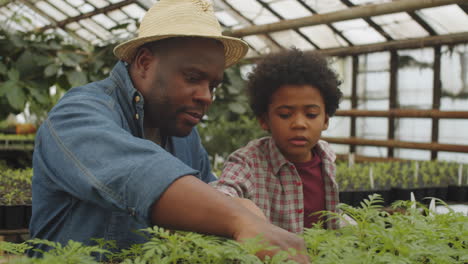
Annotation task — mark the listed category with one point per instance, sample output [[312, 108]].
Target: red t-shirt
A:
[[313, 188]]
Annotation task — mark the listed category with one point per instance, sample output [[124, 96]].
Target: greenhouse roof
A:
[[267, 25]]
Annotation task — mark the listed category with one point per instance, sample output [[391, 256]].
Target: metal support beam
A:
[[351, 13], [416, 43], [354, 99], [404, 113], [436, 98], [393, 98], [397, 144]]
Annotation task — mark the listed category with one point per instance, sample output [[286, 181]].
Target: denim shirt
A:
[[95, 176]]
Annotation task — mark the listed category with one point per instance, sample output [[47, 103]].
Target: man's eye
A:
[[312, 115], [284, 116], [192, 78]]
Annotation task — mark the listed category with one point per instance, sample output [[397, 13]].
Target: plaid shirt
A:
[[260, 172]]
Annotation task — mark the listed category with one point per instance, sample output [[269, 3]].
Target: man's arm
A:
[[189, 204]]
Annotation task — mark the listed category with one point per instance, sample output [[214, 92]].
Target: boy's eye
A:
[[284, 116], [312, 115]]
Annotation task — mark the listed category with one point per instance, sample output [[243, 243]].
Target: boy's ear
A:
[[325, 125], [262, 120]]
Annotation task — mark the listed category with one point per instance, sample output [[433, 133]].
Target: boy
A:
[[290, 174]]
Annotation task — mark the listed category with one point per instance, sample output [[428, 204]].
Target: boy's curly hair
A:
[[292, 67]]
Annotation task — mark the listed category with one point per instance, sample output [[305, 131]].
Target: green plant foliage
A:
[[396, 174], [36, 61], [15, 185], [412, 234]]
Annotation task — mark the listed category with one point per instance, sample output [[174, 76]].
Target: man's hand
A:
[[192, 205], [274, 236]]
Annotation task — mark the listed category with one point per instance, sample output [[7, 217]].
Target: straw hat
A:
[[181, 18]]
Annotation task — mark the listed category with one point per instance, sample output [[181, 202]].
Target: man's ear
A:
[[263, 121], [143, 62]]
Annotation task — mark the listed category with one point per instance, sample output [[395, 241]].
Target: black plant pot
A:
[[346, 197], [2, 217], [27, 215], [405, 194], [13, 216], [387, 196], [457, 193], [359, 196], [437, 192]]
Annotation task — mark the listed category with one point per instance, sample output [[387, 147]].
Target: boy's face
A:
[[296, 118]]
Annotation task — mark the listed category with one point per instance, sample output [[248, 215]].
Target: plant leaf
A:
[[76, 78]]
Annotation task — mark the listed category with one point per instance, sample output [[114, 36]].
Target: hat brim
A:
[[234, 48]]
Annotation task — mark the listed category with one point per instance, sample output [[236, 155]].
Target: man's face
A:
[[179, 85], [296, 118]]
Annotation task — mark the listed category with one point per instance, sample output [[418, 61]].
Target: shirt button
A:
[[137, 98], [299, 211], [137, 116]]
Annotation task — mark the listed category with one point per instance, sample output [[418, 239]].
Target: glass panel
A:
[[343, 67], [400, 26], [290, 9], [134, 11], [359, 32], [104, 21], [86, 8], [73, 26], [372, 127], [369, 2], [371, 151], [323, 36], [446, 19], [117, 15], [453, 156], [51, 11], [253, 11], [98, 3], [11, 23], [454, 78], [413, 129], [85, 34], [339, 126], [412, 154], [95, 28], [226, 19], [290, 38], [453, 131], [326, 6], [257, 43], [415, 78], [76, 3], [64, 7], [373, 81]]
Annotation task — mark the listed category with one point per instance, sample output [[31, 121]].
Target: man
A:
[[122, 154]]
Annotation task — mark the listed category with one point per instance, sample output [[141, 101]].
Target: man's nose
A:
[[204, 95]]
